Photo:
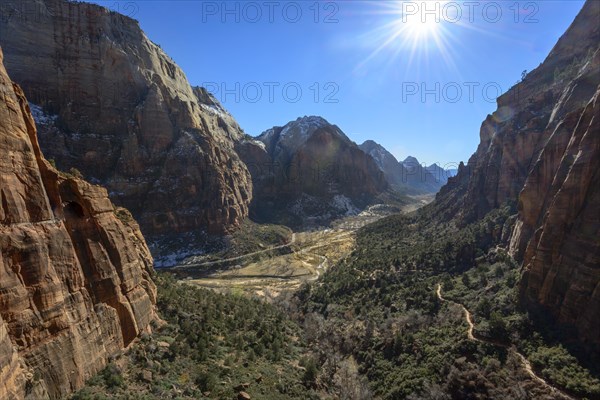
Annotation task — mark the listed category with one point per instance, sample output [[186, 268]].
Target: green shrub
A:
[[311, 372], [75, 173], [206, 381], [112, 377]]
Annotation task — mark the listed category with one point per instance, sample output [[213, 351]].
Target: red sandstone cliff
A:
[[75, 283], [125, 115], [540, 150]]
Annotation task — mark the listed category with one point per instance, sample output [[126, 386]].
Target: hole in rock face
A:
[[73, 209], [162, 219], [4, 213]]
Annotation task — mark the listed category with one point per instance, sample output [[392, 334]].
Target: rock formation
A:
[[560, 230], [440, 174], [117, 108], [309, 170], [394, 172], [540, 151], [420, 177], [408, 176], [75, 284]]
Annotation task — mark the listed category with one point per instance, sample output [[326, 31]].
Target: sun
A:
[[415, 31], [419, 26], [419, 22]]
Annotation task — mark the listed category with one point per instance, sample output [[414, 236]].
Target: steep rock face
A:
[[408, 176], [394, 172], [75, 283], [311, 170], [560, 229], [540, 150], [123, 113], [12, 371], [419, 176], [515, 134], [440, 174]]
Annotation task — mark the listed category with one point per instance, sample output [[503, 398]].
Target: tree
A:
[[113, 376], [484, 308], [310, 374], [466, 280], [498, 271], [206, 381], [75, 173], [498, 328]]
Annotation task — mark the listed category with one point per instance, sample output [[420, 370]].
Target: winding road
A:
[[320, 267], [237, 258], [524, 362]]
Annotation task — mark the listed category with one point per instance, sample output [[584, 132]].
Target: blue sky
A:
[[417, 77]]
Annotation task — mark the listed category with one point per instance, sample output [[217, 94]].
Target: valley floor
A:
[[374, 307], [283, 268]]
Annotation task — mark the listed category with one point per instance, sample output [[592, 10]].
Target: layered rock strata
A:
[[75, 272], [114, 106]]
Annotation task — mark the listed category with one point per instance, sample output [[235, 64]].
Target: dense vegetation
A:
[[371, 327], [212, 346], [250, 238], [255, 237], [490, 291], [379, 306]]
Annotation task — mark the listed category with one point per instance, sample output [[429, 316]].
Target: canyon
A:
[[93, 97], [539, 151]]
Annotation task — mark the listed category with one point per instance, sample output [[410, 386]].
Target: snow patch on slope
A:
[[40, 116], [304, 126], [311, 207], [212, 109], [344, 205], [258, 143], [379, 155]]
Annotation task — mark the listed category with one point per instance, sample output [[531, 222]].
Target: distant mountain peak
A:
[[313, 119], [306, 125], [379, 153], [318, 173], [372, 145], [295, 133], [410, 160]]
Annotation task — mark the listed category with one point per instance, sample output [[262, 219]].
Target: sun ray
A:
[[416, 37]]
